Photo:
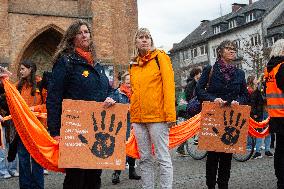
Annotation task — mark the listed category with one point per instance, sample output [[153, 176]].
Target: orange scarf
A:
[[126, 90], [86, 55], [146, 58]]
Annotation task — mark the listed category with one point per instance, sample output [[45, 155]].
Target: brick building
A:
[[32, 29]]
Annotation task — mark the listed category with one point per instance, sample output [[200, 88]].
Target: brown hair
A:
[[222, 46], [66, 45], [250, 80], [31, 79]]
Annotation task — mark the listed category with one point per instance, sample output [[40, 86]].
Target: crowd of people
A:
[[149, 88]]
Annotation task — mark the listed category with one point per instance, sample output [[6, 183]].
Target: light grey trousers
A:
[[157, 134]]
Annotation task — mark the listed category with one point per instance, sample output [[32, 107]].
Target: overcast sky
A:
[[170, 21]]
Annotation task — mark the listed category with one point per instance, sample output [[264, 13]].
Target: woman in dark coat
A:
[[227, 85], [76, 75]]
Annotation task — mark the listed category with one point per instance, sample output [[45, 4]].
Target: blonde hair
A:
[[138, 33], [277, 48]]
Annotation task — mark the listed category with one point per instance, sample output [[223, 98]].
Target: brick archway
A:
[[41, 47]]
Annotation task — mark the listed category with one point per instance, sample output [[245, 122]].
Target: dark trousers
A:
[[221, 162], [279, 160], [31, 173], [130, 161], [82, 179], [272, 140]]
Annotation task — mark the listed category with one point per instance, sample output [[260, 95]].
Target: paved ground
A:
[[188, 173]]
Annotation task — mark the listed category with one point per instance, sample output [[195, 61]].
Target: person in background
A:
[[255, 100], [76, 75], [31, 173], [267, 140], [251, 84], [259, 113], [227, 86], [7, 169], [152, 107], [274, 77], [122, 95], [194, 76], [189, 93]]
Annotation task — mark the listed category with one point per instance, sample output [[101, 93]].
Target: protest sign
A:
[[224, 128], [93, 137]]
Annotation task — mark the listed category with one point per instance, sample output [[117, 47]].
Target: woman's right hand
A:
[[57, 138], [1, 119], [220, 101]]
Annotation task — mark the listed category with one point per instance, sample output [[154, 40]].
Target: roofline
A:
[[216, 36]]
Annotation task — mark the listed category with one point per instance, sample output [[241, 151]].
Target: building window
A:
[[185, 55], [214, 49], [194, 52], [180, 56], [250, 17], [270, 41], [255, 40], [238, 43], [217, 29], [232, 24], [202, 50]]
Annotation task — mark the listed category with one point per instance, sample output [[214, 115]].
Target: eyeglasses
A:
[[231, 49]]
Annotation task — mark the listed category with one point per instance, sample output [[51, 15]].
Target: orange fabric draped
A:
[[45, 150], [42, 147], [187, 129]]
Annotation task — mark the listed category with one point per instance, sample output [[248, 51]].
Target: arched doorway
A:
[[42, 48]]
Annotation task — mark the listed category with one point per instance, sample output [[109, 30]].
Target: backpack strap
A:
[[156, 60]]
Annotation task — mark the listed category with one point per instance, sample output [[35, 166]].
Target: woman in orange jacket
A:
[[31, 173], [152, 107]]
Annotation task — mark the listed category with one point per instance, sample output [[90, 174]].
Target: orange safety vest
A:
[[274, 96]]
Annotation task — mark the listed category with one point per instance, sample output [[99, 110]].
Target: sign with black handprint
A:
[[224, 128], [93, 137]]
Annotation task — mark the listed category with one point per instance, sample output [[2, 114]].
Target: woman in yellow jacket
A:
[[152, 107]]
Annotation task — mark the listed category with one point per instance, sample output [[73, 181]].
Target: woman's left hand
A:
[[109, 102], [1, 119], [235, 102]]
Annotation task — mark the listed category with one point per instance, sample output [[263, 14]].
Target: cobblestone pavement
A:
[[188, 173]]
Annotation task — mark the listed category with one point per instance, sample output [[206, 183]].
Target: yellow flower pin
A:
[[85, 73]]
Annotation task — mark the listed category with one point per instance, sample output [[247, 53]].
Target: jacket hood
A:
[[274, 61]]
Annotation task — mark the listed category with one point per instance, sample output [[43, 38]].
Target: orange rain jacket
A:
[[153, 87]]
